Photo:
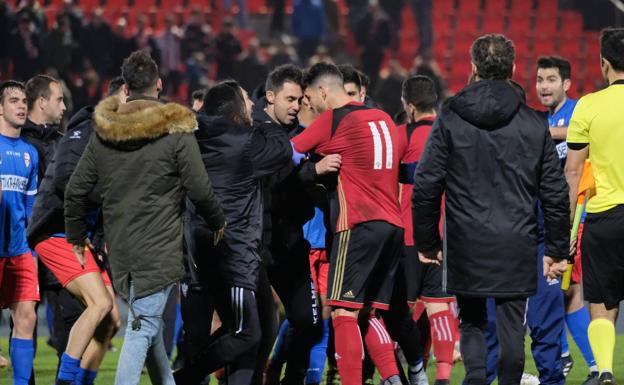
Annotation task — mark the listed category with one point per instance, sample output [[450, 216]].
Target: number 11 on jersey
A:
[[377, 146]]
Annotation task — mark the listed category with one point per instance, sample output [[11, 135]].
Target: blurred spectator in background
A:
[[74, 14], [357, 11], [98, 43], [228, 47], [197, 36], [277, 19], [425, 64], [250, 70], [422, 15], [321, 56], [387, 91], [122, 47], [196, 72], [241, 12], [393, 9], [58, 48], [24, 48], [171, 59], [282, 52], [308, 26], [373, 36], [31, 9], [6, 21], [144, 38], [198, 99]]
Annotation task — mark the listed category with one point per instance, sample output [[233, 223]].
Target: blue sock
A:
[[565, 348], [68, 370], [318, 356], [85, 377], [22, 356], [578, 323], [278, 357]]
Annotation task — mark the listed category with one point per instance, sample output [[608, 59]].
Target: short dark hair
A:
[[493, 55], [564, 67], [8, 85], [139, 71], [38, 87], [350, 75], [199, 94], [226, 99], [282, 74], [420, 91], [364, 79], [115, 84], [320, 70], [612, 47]]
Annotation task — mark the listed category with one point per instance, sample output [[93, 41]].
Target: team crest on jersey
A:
[[27, 159], [561, 122]]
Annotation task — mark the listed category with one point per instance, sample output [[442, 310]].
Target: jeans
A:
[[145, 345]]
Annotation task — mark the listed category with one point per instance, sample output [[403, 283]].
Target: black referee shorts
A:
[[362, 265], [602, 248]]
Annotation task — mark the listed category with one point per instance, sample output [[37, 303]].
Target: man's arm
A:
[[574, 171], [270, 149], [553, 193], [316, 135], [558, 133], [196, 182], [429, 183], [80, 185]]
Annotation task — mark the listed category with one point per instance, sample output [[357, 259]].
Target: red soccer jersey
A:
[[371, 147], [416, 145]]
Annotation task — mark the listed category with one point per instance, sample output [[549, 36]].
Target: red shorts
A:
[[319, 266], [577, 269], [59, 257], [18, 280]]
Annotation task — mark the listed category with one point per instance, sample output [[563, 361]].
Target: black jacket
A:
[[287, 206], [47, 216], [45, 139], [494, 158], [236, 158]]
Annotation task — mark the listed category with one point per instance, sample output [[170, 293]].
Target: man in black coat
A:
[[493, 158]]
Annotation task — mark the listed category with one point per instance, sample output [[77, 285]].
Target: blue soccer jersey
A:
[[562, 118], [18, 169]]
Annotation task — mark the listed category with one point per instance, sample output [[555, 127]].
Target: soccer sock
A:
[[278, 357], [578, 323], [443, 342], [68, 370], [85, 376], [22, 355], [601, 334], [381, 348], [318, 356], [349, 350], [565, 348]]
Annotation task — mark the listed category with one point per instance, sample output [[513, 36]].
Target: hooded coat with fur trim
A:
[[144, 160]]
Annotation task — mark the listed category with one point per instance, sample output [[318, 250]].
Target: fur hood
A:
[[140, 120]]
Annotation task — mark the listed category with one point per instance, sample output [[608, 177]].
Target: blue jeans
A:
[[145, 345]]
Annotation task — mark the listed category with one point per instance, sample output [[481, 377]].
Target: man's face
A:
[[286, 102], [248, 104], [13, 108], [54, 107], [354, 93], [316, 99], [197, 105], [551, 89]]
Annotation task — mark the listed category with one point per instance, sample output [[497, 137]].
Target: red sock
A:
[[444, 336], [381, 348], [349, 350], [418, 310]]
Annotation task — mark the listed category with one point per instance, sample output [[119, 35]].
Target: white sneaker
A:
[[529, 379], [418, 378]]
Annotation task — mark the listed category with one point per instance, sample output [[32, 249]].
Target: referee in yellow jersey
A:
[[597, 129]]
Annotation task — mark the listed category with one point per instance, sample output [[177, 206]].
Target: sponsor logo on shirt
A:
[[14, 183], [76, 135], [562, 150]]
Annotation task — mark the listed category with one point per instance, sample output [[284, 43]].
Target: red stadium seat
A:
[[469, 7], [519, 26], [468, 24], [546, 25], [570, 49], [522, 8], [495, 7], [545, 46], [550, 7], [442, 25], [571, 21], [493, 23], [444, 7]]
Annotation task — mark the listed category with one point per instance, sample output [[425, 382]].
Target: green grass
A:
[[45, 365]]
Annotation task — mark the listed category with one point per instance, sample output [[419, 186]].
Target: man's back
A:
[[371, 147]]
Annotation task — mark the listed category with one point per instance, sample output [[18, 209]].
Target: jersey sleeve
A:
[[316, 136], [578, 130]]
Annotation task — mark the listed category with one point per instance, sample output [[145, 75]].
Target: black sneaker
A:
[[606, 378], [65, 382], [441, 382], [592, 379], [568, 364]]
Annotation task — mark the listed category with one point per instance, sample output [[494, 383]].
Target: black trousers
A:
[[511, 328]]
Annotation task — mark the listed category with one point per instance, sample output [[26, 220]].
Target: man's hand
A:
[[79, 252], [433, 257], [554, 269], [330, 163], [218, 235]]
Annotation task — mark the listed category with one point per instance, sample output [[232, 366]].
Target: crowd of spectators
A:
[[195, 48]]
